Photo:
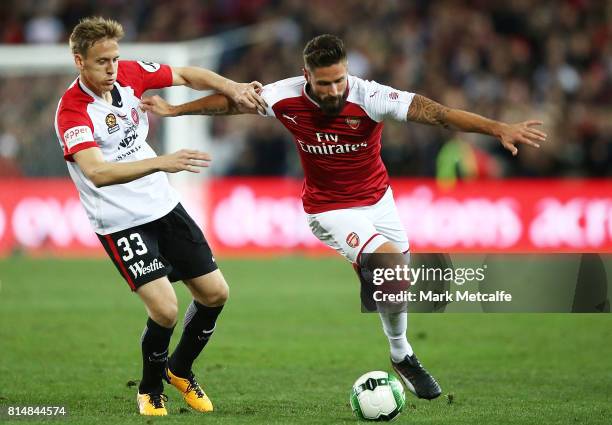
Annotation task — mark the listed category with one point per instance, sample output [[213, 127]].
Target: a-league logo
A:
[[111, 123]]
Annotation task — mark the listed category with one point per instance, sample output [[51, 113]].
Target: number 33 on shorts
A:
[[135, 253], [125, 245], [172, 246]]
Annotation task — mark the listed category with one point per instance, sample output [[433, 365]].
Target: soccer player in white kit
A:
[[133, 209], [337, 120]]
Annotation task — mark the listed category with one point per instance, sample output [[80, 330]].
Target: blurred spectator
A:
[[551, 60], [459, 160], [9, 147], [44, 26]]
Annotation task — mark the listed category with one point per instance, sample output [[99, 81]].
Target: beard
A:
[[332, 105]]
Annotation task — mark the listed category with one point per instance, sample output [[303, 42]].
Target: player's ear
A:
[[306, 74], [78, 61]]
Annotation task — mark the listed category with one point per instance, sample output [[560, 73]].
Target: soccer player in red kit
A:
[[133, 209], [336, 120]]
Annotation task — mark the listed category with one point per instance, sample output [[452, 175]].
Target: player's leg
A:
[[190, 255], [210, 292], [395, 323], [353, 234], [386, 220], [136, 255], [394, 319], [161, 305]]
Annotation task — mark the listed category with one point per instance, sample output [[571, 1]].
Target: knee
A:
[[166, 314], [218, 296], [386, 256]]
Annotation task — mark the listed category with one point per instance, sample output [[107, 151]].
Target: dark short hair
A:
[[324, 50]]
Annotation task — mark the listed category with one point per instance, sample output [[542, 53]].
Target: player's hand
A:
[[246, 95], [158, 106], [522, 132], [184, 160]]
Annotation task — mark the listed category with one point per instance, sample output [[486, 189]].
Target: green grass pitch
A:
[[287, 348]]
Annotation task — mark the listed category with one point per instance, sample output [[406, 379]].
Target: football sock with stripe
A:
[[199, 326], [155, 341]]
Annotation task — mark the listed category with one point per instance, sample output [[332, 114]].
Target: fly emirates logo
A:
[[329, 145]]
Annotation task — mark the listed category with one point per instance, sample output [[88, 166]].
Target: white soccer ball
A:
[[377, 396]]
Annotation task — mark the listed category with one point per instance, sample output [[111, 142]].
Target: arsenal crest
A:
[[352, 239], [353, 122]]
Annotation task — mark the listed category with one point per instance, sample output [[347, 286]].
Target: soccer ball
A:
[[377, 396]]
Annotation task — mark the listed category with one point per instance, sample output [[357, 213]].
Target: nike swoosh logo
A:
[[206, 334], [372, 95]]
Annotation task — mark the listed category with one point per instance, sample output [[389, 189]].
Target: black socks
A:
[[155, 342], [198, 328]]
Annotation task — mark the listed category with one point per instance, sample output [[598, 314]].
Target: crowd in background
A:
[[512, 61]]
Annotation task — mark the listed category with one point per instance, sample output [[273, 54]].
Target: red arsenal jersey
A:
[[340, 154]]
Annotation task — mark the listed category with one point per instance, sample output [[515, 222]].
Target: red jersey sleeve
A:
[[142, 76], [75, 130]]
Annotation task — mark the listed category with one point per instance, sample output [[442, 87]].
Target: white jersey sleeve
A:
[[283, 89], [270, 95], [383, 102]]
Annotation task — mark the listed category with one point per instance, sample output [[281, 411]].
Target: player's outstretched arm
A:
[[427, 111], [102, 173], [242, 94], [216, 104]]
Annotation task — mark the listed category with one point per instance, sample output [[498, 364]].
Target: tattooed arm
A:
[[426, 111], [216, 104]]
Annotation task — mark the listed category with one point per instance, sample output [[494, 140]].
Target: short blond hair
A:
[[93, 29]]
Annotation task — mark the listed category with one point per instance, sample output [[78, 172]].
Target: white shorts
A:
[[353, 231]]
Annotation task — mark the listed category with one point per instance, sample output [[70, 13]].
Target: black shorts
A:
[[172, 246]]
